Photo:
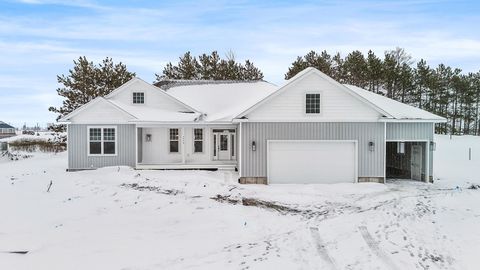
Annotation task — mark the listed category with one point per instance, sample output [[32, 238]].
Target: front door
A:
[[223, 144], [416, 162]]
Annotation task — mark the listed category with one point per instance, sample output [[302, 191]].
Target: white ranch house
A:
[[310, 130]]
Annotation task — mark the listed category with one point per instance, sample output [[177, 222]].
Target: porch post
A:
[[183, 145], [136, 146], [427, 161]]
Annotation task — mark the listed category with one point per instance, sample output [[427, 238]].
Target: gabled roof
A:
[[302, 74], [221, 101], [92, 102], [389, 108], [136, 79], [398, 110], [5, 125]]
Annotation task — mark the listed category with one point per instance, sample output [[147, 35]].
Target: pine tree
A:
[[356, 69], [87, 81], [374, 72], [210, 67]]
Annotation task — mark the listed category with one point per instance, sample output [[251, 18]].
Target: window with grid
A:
[[102, 141], [174, 140], [95, 143], [138, 98], [109, 141], [198, 140], [312, 103]]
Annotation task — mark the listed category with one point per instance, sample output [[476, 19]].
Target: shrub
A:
[[32, 145]]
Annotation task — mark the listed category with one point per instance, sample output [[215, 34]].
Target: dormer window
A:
[[312, 103], [138, 98]]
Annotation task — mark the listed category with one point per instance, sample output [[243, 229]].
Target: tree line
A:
[[442, 90]]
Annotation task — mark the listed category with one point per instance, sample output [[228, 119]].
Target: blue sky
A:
[[39, 39]]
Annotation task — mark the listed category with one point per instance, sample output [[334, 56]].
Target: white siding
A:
[[78, 157], [101, 112], [153, 96], [370, 163], [157, 150], [336, 103]]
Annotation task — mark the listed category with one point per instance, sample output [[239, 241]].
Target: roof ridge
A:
[[166, 84]]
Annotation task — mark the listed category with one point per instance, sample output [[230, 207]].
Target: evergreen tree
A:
[[356, 69], [374, 72], [210, 67], [87, 81], [322, 62], [443, 90]]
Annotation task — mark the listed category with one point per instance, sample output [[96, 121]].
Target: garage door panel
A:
[[311, 162]]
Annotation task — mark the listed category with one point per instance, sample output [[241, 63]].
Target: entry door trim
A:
[[355, 142], [216, 141]]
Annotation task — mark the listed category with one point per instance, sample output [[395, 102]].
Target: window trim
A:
[[144, 97], [202, 140], [305, 103], [102, 141], [177, 140]]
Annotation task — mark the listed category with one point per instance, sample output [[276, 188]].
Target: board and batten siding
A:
[[77, 148], [336, 104], [412, 132], [370, 163]]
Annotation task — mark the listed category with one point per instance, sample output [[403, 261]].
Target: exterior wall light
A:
[[371, 146], [148, 137], [254, 146]]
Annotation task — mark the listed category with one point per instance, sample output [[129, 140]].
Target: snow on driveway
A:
[[119, 218]]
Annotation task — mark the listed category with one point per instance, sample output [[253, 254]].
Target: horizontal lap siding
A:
[[370, 163], [77, 148]]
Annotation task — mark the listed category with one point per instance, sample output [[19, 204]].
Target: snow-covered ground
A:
[[119, 218]]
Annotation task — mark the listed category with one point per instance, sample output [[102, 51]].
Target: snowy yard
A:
[[119, 218]]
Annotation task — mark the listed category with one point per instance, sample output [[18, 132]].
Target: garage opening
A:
[[406, 160]]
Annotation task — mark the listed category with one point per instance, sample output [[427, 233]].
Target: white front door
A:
[[224, 145], [416, 162]]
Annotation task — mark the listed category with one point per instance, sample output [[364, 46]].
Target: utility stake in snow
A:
[[469, 153], [49, 186]]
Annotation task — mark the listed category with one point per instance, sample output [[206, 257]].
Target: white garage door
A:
[[311, 162]]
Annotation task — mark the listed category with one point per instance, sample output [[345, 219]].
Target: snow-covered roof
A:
[[222, 101], [397, 110], [5, 125], [154, 114]]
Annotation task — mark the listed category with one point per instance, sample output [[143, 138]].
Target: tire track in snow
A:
[[373, 245], [320, 245]]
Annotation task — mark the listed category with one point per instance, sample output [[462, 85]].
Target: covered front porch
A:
[[187, 147]]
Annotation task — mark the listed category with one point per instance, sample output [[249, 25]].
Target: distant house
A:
[[6, 130], [312, 129]]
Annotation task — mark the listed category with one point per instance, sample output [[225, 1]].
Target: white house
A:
[[310, 130]]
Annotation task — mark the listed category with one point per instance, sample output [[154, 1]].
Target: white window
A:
[[197, 140], [312, 103], [174, 136], [138, 98], [102, 141]]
